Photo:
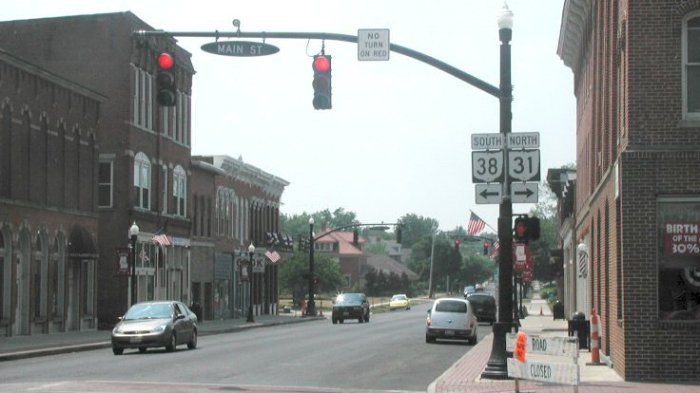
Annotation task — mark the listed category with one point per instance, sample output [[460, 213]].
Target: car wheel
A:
[[367, 317], [472, 339], [117, 351], [142, 349], [334, 320], [193, 343], [429, 339], [173, 343], [341, 320]]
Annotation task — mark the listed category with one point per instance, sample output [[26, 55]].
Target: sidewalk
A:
[[20, 347], [465, 375]]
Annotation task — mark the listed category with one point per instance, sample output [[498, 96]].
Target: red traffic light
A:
[[321, 64], [165, 61]]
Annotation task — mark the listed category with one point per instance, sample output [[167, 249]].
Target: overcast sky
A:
[[397, 140]]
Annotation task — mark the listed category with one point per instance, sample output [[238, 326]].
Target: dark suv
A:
[[484, 306], [350, 306]]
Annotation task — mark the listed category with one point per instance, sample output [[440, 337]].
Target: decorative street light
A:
[[497, 367], [311, 305], [133, 235], [251, 252]]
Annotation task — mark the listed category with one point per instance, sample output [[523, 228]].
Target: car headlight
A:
[[117, 329], [159, 329]]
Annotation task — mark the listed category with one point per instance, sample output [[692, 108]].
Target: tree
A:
[[547, 213], [293, 276], [414, 228]]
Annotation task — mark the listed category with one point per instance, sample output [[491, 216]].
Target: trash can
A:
[[581, 328], [558, 311]]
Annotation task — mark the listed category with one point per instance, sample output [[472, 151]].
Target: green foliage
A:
[[297, 225], [414, 228], [293, 275], [380, 284], [546, 211]]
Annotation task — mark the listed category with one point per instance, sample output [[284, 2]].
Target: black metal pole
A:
[[496, 367], [252, 279], [311, 305], [133, 269]]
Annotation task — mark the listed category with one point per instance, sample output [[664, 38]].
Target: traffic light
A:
[[355, 237], [533, 228], [520, 229], [166, 91], [486, 248], [398, 234], [457, 243], [322, 81]]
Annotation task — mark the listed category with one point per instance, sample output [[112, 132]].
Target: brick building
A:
[[48, 200], [143, 171], [636, 68]]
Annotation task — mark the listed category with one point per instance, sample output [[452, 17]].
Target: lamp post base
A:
[[497, 367], [311, 309]]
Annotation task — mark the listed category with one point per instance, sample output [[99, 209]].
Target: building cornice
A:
[[575, 15]]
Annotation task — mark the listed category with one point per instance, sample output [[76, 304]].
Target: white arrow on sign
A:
[[487, 166], [488, 193], [524, 165], [524, 192]]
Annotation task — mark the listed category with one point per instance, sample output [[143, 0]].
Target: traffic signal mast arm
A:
[[355, 226], [457, 73]]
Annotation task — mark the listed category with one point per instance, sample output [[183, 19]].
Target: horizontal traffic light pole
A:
[[396, 224], [457, 73]]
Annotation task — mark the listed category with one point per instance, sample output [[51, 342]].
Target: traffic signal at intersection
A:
[[166, 90], [322, 81], [486, 248], [526, 229]]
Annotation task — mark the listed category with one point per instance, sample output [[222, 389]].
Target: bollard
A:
[[595, 338]]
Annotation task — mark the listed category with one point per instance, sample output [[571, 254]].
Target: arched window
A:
[[142, 181], [691, 66], [180, 191]]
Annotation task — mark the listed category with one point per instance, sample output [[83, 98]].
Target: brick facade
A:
[[637, 149]]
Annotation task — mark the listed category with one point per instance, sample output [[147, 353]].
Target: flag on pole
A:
[[161, 239], [273, 256], [475, 225], [495, 249]]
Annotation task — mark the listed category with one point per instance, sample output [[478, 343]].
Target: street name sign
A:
[[487, 141], [240, 48], [373, 44], [524, 165], [487, 166], [523, 140], [524, 192], [488, 193]]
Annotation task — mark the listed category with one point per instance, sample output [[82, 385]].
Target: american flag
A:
[[494, 250], [161, 239], [273, 256], [475, 225]]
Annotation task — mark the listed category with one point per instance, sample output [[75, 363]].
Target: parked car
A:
[[350, 306], [484, 306], [469, 290], [155, 324], [399, 301], [451, 319]]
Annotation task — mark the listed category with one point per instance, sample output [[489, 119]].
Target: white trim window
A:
[[179, 191], [691, 66], [105, 180], [142, 181], [142, 100]]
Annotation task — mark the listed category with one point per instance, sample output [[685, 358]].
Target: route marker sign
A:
[[488, 193], [524, 165], [487, 166], [373, 44]]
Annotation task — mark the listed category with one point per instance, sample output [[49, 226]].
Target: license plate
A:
[[136, 339], [449, 332]]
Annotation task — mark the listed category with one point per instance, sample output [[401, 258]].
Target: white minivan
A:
[[450, 318]]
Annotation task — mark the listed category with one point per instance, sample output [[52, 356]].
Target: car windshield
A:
[[451, 306], [399, 297], [348, 299], [481, 299], [149, 311]]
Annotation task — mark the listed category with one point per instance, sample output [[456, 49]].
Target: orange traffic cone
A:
[[595, 338], [541, 313]]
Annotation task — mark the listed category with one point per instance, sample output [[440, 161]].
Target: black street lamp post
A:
[[133, 235], [251, 275], [496, 367], [311, 305]]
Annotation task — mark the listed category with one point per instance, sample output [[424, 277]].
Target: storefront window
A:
[[678, 228]]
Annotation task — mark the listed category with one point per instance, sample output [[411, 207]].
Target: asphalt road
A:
[[388, 353]]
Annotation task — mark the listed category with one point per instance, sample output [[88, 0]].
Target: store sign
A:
[[682, 239]]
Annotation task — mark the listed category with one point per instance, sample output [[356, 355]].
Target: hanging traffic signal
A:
[[533, 228], [398, 234], [486, 248], [322, 81], [166, 92], [457, 243], [520, 230], [355, 237]]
